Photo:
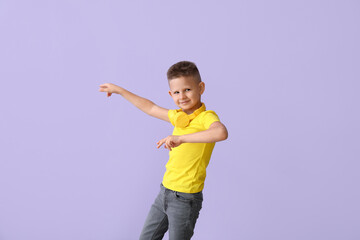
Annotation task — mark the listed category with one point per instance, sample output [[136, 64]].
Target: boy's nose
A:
[[182, 96]]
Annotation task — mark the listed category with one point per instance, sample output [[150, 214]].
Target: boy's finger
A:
[[168, 146], [159, 143]]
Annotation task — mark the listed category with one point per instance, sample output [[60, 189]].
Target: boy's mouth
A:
[[185, 102]]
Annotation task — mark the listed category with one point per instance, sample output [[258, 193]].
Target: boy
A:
[[196, 130]]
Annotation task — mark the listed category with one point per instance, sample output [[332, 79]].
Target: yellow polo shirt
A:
[[186, 168]]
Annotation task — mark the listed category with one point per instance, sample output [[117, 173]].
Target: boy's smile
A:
[[186, 93]]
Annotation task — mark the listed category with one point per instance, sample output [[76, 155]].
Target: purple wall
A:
[[282, 75]]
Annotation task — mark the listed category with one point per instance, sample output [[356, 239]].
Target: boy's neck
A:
[[190, 111]]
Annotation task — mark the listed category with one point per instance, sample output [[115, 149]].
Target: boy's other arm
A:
[[141, 103], [215, 133]]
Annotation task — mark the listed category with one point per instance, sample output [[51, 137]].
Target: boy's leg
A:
[[156, 223], [183, 211]]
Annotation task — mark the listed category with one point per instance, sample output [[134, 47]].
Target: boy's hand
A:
[[170, 142], [109, 88]]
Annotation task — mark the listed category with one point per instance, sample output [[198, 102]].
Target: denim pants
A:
[[173, 211]]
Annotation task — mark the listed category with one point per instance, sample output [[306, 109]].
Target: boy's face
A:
[[186, 93]]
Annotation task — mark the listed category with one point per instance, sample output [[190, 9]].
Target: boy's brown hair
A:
[[184, 69]]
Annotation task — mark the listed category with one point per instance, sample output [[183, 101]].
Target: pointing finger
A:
[[159, 143]]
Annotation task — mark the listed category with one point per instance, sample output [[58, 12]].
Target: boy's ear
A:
[[170, 93], [202, 87]]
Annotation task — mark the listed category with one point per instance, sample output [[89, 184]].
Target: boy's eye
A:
[[176, 92], [187, 89]]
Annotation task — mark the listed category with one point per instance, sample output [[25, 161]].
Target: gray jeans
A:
[[173, 211]]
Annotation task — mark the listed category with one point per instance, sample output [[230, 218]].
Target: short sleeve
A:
[[208, 118], [171, 115]]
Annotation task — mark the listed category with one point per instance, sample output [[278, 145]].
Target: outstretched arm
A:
[[143, 104], [216, 132]]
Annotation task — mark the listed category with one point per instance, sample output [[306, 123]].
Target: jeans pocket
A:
[[183, 197], [189, 197]]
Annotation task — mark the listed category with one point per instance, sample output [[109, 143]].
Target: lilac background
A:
[[282, 75]]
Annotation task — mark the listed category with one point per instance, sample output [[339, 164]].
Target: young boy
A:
[[196, 130]]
